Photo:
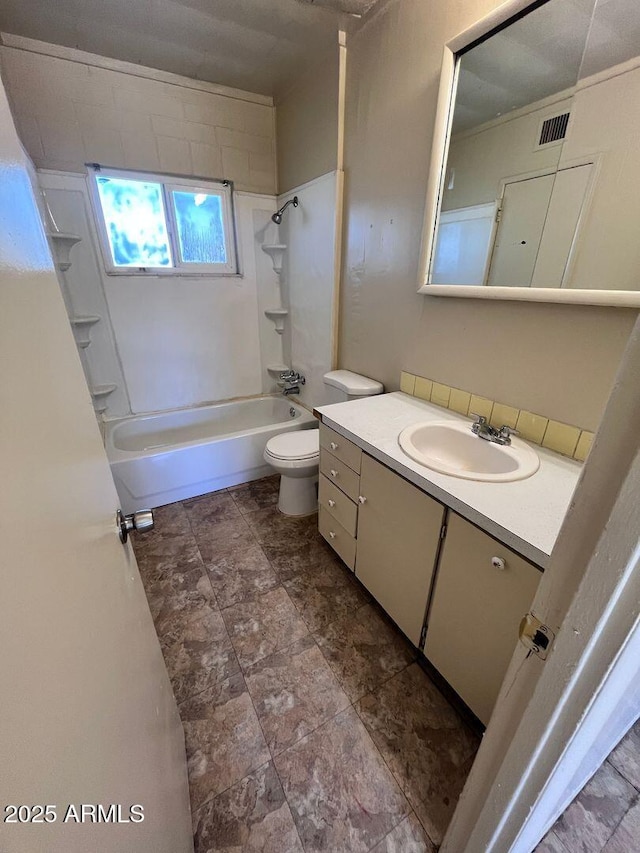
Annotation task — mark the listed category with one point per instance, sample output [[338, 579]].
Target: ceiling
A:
[[257, 45], [543, 53]]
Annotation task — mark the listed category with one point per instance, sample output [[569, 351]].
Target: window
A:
[[150, 224]]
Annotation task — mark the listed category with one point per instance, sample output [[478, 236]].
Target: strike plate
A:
[[536, 636]]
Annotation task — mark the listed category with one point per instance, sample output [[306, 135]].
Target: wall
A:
[[166, 342], [307, 125], [309, 281], [77, 110], [558, 361], [172, 341]]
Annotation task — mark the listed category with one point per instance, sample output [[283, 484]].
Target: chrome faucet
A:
[[290, 382], [483, 429]]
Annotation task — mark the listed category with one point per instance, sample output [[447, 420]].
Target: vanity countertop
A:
[[526, 514]]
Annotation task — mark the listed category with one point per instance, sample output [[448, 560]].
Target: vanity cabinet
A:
[[398, 535], [482, 591]]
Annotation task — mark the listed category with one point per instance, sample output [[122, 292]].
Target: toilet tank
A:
[[343, 385]]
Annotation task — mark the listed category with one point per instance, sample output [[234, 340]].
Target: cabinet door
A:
[[475, 613], [398, 534]]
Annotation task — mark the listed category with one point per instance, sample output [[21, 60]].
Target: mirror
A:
[[535, 181]]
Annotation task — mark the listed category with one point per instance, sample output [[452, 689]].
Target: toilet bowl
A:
[[296, 455]]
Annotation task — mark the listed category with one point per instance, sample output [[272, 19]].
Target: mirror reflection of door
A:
[[538, 228]]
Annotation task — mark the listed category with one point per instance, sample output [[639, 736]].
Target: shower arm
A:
[[277, 216]]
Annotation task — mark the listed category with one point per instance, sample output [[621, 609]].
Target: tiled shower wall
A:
[[70, 111]]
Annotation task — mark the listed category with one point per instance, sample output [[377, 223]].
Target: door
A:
[[523, 214], [475, 613], [398, 535], [87, 715]]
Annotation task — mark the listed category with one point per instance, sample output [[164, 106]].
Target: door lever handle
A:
[[142, 521]]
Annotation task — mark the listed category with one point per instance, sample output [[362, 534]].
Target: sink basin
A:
[[452, 448]]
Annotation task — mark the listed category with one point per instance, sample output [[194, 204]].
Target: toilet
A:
[[295, 455]]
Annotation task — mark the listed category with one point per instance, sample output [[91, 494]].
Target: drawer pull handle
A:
[[332, 535], [333, 445], [331, 503], [361, 500], [498, 563], [333, 473]]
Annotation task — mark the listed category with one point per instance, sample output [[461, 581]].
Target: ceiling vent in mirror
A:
[[553, 129]]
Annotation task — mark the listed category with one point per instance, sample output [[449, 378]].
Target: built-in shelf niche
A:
[[82, 328], [62, 245], [276, 253], [275, 370], [277, 317], [99, 393]]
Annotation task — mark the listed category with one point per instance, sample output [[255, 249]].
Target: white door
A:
[[464, 241], [87, 715], [524, 211]]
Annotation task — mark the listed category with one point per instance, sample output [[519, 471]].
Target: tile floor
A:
[[308, 723]]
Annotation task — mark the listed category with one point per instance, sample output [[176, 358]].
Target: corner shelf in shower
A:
[[81, 328], [276, 253], [276, 369], [277, 315], [63, 243], [99, 394]]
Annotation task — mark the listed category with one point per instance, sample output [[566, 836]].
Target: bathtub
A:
[[161, 458]]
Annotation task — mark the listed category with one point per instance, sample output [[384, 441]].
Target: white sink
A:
[[452, 448]]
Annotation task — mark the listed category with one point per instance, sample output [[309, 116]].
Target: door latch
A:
[[536, 636], [142, 520]]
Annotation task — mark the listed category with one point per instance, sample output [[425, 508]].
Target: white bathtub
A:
[[159, 459]]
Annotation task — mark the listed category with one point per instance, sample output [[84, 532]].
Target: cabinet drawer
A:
[[335, 534], [338, 505], [340, 474], [343, 449]]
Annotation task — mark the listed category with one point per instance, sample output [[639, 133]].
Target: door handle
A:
[[142, 521]]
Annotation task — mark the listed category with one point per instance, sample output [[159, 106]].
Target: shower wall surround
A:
[[310, 280], [169, 342]]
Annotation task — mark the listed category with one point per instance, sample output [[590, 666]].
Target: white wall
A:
[[309, 280], [72, 111], [179, 340]]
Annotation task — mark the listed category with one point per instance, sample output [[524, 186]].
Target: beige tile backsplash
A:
[[562, 438]]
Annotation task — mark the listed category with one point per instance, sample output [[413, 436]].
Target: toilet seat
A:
[[302, 445]]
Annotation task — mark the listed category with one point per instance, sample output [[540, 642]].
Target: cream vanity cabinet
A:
[[398, 539], [482, 591], [382, 525], [398, 535]]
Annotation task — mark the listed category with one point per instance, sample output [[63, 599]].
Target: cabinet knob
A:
[[498, 563], [333, 445], [331, 503], [332, 535], [333, 472], [361, 500]]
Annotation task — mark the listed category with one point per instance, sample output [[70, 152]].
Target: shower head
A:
[[277, 217]]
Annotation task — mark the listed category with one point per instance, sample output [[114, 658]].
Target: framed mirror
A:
[[534, 182]]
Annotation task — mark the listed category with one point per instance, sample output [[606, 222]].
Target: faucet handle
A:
[[478, 419], [507, 431]]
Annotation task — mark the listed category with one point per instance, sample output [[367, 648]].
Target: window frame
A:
[[169, 183]]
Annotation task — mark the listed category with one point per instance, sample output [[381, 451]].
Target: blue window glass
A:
[[135, 222], [199, 217]]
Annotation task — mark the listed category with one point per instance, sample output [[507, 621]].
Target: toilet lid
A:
[[298, 444]]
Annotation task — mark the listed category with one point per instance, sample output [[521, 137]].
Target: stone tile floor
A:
[[308, 723]]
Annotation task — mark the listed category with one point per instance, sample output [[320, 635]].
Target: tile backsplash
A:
[[566, 439]]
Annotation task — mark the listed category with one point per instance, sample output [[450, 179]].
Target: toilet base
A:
[[298, 495]]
